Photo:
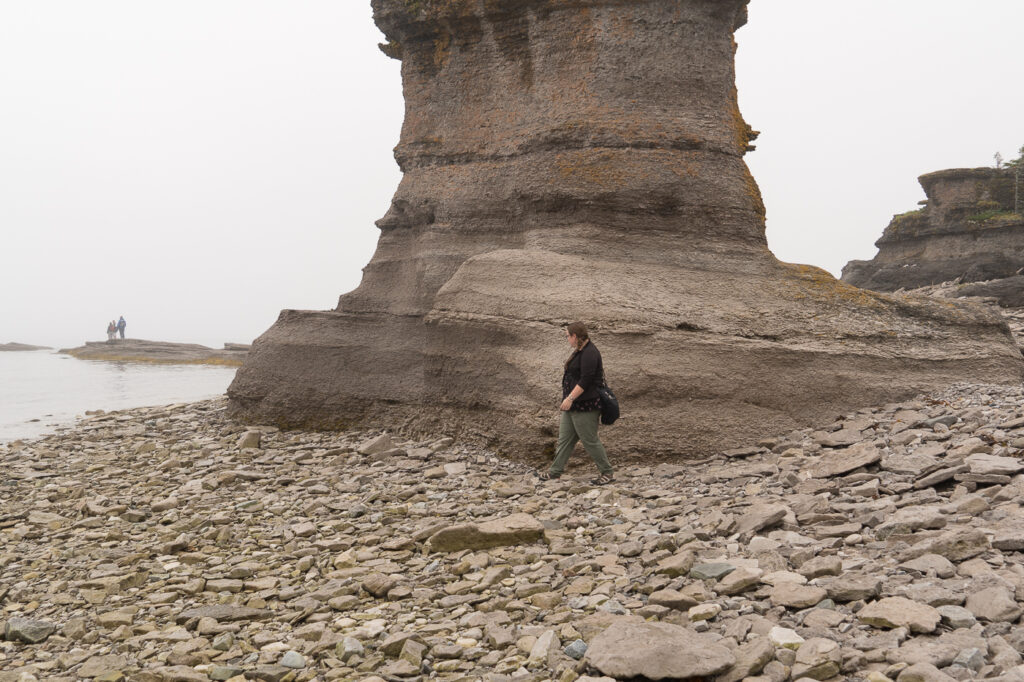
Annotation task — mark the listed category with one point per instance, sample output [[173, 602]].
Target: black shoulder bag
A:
[[609, 403]]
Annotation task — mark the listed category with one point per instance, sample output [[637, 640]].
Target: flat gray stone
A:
[[931, 563], [844, 461], [937, 651], [931, 593], [912, 518], [941, 476], [672, 599], [794, 596], [676, 565], [992, 465], [223, 613], [98, 665], [913, 464], [739, 581], [516, 529], [713, 571], [994, 604], [821, 566], [956, 545], [895, 612], [956, 617], [761, 516], [839, 439], [1009, 540], [657, 651]]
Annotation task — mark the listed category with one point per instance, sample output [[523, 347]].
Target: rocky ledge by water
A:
[[140, 350], [968, 231], [171, 544], [21, 347]]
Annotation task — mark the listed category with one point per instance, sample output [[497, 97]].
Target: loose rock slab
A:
[[657, 651], [511, 530], [844, 461], [895, 612]]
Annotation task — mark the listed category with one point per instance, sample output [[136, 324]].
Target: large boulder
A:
[[583, 159]]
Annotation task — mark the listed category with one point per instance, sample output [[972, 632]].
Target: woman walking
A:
[[580, 406]]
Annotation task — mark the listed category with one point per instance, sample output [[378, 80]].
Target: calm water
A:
[[40, 390]]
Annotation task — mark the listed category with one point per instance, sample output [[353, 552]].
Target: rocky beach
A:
[[173, 544], [813, 481]]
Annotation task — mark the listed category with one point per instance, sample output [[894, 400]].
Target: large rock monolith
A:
[[583, 159]]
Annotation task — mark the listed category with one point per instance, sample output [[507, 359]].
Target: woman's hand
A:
[[566, 404]]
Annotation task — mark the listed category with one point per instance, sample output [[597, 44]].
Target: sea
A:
[[43, 391]]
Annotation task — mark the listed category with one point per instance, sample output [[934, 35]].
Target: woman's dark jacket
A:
[[584, 368]]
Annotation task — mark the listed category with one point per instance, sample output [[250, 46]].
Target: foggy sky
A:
[[199, 166]]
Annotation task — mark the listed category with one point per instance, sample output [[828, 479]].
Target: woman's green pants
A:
[[575, 427]]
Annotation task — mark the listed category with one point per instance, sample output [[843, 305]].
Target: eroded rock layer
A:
[[967, 231], [584, 160]]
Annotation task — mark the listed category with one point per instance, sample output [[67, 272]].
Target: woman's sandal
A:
[[545, 476], [603, 479]]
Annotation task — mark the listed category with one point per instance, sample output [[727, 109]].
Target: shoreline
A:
[[170, 543]]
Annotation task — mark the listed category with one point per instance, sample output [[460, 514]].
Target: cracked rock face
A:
[[558, 165], [967, 232]]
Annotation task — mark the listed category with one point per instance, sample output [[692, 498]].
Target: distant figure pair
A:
[[115, 327]]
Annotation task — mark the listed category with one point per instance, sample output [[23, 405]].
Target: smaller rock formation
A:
[[21, 347], [161, 352], [967, 231]]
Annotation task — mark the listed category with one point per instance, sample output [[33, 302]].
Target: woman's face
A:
[[571, 338]]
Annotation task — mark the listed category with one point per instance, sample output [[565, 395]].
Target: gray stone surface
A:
[[796, 596], [844, 461], [994, 604], [657, 651], [894, 612], [516, 529]]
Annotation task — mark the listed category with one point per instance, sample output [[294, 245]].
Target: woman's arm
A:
[[576, 392]]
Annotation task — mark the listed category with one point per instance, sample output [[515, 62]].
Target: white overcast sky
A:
[[198, 166]]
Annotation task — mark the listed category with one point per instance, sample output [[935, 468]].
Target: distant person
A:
[[121, 324], [111, 330]]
